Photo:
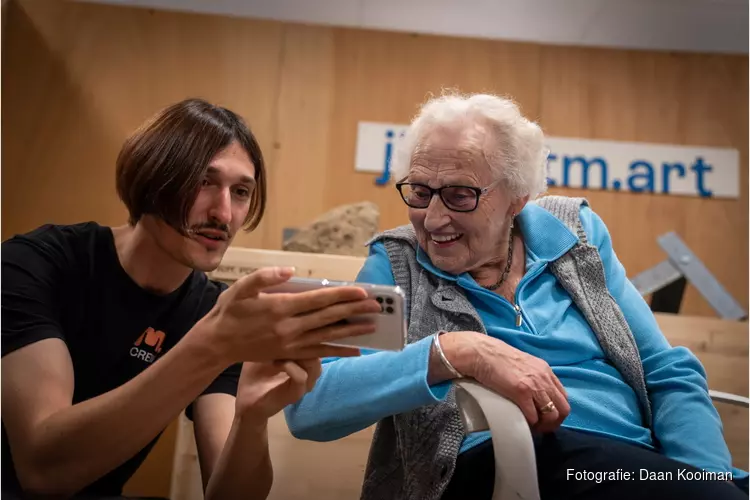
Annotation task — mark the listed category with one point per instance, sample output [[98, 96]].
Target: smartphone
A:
[[390, 322]]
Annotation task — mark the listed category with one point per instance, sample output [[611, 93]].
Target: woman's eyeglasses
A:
[[456, 198]]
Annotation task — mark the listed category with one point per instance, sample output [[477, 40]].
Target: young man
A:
[[109, 333]]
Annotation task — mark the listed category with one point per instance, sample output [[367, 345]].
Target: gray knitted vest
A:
[[413, 454]]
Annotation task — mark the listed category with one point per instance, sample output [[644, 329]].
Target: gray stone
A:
[[341, 231]]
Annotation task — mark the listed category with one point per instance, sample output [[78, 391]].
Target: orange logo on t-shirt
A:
[[152, 337]]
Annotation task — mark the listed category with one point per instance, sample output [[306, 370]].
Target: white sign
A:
[[595, 164]]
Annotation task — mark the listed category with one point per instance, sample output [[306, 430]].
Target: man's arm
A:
[[58, 447], [245, 471]]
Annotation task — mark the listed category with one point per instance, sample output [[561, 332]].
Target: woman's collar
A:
[[545, 236]]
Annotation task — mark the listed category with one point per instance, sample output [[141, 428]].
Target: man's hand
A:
[[249, 325], [266, 388]]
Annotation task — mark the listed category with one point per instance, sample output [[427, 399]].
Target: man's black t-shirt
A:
[[66, 282]]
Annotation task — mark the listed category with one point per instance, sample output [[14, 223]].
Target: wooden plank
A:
[[705, 334], [187, 483], [306, 469], [239, 261]]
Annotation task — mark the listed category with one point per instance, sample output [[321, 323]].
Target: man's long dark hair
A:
[[161, 166]]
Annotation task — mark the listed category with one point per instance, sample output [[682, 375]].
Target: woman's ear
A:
[[516, 207]]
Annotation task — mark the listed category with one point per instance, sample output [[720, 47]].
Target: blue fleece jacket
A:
[[354, 393]]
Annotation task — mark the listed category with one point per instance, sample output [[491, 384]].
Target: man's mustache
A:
[[211, 225]]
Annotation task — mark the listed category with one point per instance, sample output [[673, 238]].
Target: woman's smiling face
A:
[[459, 242]]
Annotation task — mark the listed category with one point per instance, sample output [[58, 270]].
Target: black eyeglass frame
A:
[[477, 191]]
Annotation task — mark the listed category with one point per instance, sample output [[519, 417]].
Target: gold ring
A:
[[548, 408]]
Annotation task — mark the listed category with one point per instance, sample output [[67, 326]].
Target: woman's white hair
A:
[[516, 151]]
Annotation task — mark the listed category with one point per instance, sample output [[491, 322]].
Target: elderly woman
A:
[[527, 297]]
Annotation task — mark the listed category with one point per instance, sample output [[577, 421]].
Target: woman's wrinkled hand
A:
[[526, 380]]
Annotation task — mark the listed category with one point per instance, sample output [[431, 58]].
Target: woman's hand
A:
[[526, 380]]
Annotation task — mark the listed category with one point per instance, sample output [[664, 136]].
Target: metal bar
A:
[[700, 277], [732, 399], [659, 276]]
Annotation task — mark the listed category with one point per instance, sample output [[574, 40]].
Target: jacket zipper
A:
[[519, 288], [519, 318]]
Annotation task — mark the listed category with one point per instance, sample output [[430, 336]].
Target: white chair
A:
[[515, 461]]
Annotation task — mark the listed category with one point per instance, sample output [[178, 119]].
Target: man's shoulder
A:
[[58, 234], [54, 242]]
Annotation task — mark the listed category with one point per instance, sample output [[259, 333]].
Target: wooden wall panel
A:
[[661, 98], [83, 76], [79, 77], [305, 97]]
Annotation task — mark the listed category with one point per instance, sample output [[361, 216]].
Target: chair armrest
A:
[[726, 397], [515, 461]]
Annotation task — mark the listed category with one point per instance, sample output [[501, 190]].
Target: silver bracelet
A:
[[446, 363]]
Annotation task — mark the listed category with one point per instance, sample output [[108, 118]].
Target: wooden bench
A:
[[334, 470]]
